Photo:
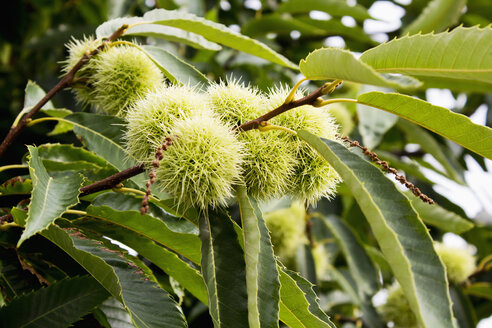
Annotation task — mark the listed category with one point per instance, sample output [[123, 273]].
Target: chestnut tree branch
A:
[[62, 84]]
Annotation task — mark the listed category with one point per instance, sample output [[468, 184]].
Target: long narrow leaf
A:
[[50, 197], [262, 280], [56, 306], [403, 238], [360, 265], [223, 270], [120, 278], [455, 127]]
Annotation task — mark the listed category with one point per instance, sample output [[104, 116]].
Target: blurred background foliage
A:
[[32, 46]]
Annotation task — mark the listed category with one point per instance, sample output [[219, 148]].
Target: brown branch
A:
[[310, 99], [113, 180], [62, 84], [384, 165]]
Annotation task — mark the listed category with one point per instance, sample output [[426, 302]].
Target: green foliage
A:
[[255, 212]]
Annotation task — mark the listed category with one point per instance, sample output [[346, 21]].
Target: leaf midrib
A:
[[57, 307]]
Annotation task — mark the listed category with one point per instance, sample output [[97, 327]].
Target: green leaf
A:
[[50, 197], [116, 314], [360, 265], [480, 289], [373, 124], [419, 136], [103, 135], [168, 231], [348, 284], [463, 308], [336, 27], [334, 63], [332, 7], [215, 32], [16, 186], [457, 60], [299, 306], [57, 305], [33, 94], [174, 68], [456, 127], [223, 270], [168, 261], [275, 23], [436, 16], [148, 305], [439, 217], [173, 34], [397, 229], [262, 280]]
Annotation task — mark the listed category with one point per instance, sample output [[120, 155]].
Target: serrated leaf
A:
[[211, 31], [332, 7], [148, 305], [116, 314], [63, 157], [463, 308], [419, 136], [348, 284], [455, 127], [57, 305], [397, 229], [457, 60], [50, 197], [436, 16], [439, 217], [103, 135], [168, 261], [16, 186], [299, 306], [262, 280], [223, 269], [215, 32], [360, 265], [111, 208], [173, 34], [334, 63], [373, 124], [174, 68], [33, 94]]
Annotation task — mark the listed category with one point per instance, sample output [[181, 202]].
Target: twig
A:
[[168, 141], [113, 180], [310, 99], [62, 84], [384, 165]]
